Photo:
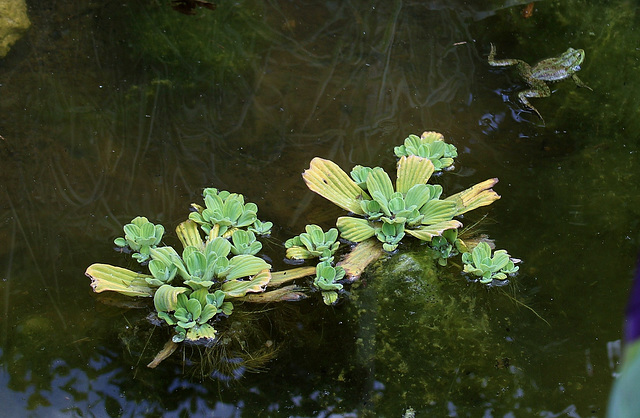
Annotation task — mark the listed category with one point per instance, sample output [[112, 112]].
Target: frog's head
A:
[[572, 58]]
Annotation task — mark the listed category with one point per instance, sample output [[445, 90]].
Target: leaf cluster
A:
[[225, 212], [480, 263], [313, 243], [140, 236], [429, 145], [389, 212], [221, 265], [327, 280], [190, 311]]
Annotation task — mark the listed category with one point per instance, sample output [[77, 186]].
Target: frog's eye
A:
[[576, 68]]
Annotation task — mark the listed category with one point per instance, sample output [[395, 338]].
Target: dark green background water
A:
[[111, 110]]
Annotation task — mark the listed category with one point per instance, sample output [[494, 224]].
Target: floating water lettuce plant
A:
[[411, 207], [190, 289], [486, 267]]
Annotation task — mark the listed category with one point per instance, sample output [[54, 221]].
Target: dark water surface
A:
[[111, 110]]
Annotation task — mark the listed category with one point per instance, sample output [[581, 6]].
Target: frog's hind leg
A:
[[503, 62], [541, 90]]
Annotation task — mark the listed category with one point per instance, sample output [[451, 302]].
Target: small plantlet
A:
[[225, 212], [487, 268], [326, 280], [140, 236], [429, 145], [313, 243], [190, 312]]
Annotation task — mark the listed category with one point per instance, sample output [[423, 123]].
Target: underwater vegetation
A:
[[220, 262]]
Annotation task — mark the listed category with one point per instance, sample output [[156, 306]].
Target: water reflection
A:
[[108, 115]]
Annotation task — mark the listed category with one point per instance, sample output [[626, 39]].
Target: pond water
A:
[[112, 110]]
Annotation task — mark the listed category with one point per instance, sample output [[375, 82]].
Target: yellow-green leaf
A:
[[360, 257], [328, 180], [199, 332], [413, 170], [425, 233], [436, 211], [279, 278], [284, 294], [117, 279], [475, 196], [245, 265], [239, 288], [188, 234]]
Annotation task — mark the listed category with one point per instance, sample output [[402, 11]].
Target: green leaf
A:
[[261, 228], [329, 298], [417, 196], [167, 317], [359, 174], [196, 264], [179, 337], [194, 308], [354, 229], [216, 298], [244, 242], [162, 272], [245, 265], [200, 295], [327, 276], [378, 181], [220, 246], [166, 297], [208, 312], [132, 231], [147, 232]]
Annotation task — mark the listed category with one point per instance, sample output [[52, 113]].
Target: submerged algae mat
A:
[[435, 342]]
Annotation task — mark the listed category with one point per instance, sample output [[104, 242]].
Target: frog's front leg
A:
[[538, 89], [579, 82]]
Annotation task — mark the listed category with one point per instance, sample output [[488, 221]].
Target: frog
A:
[[558, 68]]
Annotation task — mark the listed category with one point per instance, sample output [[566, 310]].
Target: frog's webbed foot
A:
[[530, 106], [579, 82], [492, 53]]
